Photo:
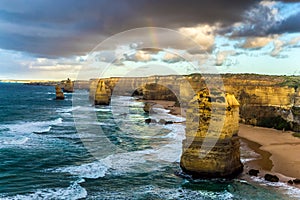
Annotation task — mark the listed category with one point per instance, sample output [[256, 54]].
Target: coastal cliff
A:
[[211, 147], [268, 101]]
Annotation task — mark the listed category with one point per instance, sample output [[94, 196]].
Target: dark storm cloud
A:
[[62, 28], [289, 25], [264, 20]]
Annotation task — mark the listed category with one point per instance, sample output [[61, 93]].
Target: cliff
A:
[[269, 101], [211, 147]]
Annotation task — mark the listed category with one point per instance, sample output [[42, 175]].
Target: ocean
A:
[[69, 149]]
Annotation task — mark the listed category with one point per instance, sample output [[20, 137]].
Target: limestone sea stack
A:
[[59, 93], [68, 86], [102, 95], [211, 148]]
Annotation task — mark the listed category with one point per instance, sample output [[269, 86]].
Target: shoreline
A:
[[283, 147], [277, 151]]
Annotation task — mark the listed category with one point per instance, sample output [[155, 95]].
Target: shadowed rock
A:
[[271, 178], [253, 172], [296, 181]]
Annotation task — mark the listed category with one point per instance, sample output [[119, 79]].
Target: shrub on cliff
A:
[[275, 122]]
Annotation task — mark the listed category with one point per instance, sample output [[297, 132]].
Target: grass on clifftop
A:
[[296, 135], [291, 81]]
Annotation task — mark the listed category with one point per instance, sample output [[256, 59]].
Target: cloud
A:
[[64, 28], [278, 45], [257, 42], [222, 57], [172, 58], [203, 35], [142, 56], [294, 41], [268, 17]]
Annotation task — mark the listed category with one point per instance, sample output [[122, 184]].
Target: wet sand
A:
[[281, 148]]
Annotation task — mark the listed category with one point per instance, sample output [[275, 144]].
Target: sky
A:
[[58, 39]]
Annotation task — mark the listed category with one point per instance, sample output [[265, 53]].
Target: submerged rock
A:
[[162, 121], [271, 178], [211, 148], [59, 94], [149, 120]]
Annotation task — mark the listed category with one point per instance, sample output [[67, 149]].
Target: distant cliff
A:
[[269, 101]]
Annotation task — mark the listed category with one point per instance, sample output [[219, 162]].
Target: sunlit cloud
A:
[[204, 35]]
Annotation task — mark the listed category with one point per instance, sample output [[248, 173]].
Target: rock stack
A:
[[211, 148], [102, 95], [68, 86], [59, 94]]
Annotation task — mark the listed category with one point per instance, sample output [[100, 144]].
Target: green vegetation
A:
[[275, 122], [296, 134], [291, 81], [296, 110]]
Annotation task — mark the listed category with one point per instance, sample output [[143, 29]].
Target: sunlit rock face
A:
[[68, 86], [211, 148], [269, 101], [59, 94], [102, 96]]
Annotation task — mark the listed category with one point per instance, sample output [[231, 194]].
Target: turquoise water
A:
[[44, 154]]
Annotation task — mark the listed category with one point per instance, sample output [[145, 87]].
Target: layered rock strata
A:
[[211, 148], [270, 101], [102, 94]]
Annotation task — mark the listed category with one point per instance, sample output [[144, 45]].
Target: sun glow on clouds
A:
[[202, 34], [265, 40]]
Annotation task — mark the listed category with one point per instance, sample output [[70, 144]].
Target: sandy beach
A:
[[279, 151]]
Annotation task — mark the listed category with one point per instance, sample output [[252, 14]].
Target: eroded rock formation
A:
[[270, 101], [102, 95], [59, 93], [211, 148], [68, 86]]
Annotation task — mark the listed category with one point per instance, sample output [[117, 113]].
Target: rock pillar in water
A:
[[59, 94], [211, 148], [102, 95], [68, 86]]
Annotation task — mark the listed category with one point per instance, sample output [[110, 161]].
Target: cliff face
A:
[[266, 101], [270, 101], [211, 147]]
